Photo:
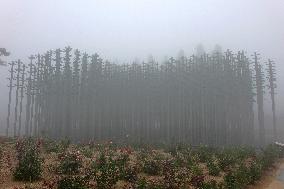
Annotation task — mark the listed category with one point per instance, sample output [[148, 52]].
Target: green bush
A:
[[87, 151], [255, 171], [72, 182], [231, 181], [269, 155], [56, 147], [204, 153], [70, 163], [51, 146], [239, 178], [129, 173], [105, 172], [151, 167], [65, 143], [175, 177], [196, 170], [242, 175], [142, 183], [29, 166], [213, 168], [210, 185], [226, 158]]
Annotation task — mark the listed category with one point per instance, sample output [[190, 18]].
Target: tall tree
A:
[[12, 71], [272, 86], [259, 80]]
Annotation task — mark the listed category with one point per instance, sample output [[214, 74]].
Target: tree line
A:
[[206, 99]]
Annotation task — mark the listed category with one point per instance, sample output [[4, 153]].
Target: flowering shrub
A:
[[106, 166], [197, 181], [87, 152], [196, 170], [269, 154], [72, 182], [29, 166], [181, 160], [52, 146], [213, 168], [130, 174], [143, 183], [231, 181], [70, 163], [105, 171], [204, 153], [152, 163], [242, 175], [255, 171], [151, 167], [175, 177], [122, 159], [226, 159]]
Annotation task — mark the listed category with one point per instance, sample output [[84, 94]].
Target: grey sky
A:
[[127, 29]]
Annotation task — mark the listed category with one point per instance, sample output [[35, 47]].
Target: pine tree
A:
[[272, 86]]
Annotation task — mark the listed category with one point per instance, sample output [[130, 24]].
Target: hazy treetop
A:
[[128, 29]]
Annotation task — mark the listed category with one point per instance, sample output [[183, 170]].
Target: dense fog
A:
[[129, 31]]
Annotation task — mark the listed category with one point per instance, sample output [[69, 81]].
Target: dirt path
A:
[[272, 179]]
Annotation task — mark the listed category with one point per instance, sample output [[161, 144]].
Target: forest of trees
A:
[[204, 98]]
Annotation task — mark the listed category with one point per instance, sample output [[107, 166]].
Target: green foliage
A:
[[255, 171], [196, 170], [129, 173], [151, 167], [175, 177], [72, 182], [231, 181], [70, 163], [204, 153], [181, 160], [105, 171], [87, 151], [242, 166], [269, 154], [51, 146], [142, 183], [242, 176], [65, 143], [210, 185], [29, 166], [54, 146], [151, 162], [226, 158], [213, 168], [155, 184]]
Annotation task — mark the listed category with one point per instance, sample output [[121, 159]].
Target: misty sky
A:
[[122, 30]]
